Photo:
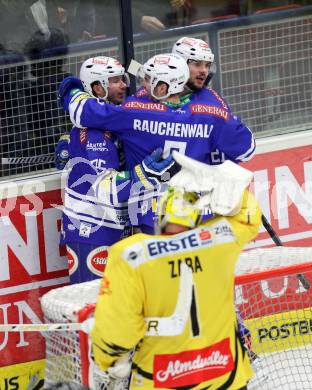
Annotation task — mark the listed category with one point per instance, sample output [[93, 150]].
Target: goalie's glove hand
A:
[[121, 368], [61, 152], [69, 87], [154, 169]]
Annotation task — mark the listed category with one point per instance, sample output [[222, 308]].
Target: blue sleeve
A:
[[235, 140], [95, 113]]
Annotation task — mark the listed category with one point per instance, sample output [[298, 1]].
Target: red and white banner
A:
[[283, 185], [31, 264]]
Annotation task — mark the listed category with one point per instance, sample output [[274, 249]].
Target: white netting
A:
[[265, 71], [258, 260], [276, 310]]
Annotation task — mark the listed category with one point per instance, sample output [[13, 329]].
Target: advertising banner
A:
[[31, 261]]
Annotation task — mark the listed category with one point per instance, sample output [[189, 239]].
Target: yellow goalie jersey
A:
[[142, 280]]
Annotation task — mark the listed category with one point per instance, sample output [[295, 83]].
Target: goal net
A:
[[273, 297]]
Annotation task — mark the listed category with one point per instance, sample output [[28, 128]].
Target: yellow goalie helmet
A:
[[178, 207]]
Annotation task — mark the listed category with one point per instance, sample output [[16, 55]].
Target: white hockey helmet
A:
[[193, 49], [169, 68], [99, 69]]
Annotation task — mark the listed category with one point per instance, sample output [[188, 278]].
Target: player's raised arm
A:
[[84, 110]]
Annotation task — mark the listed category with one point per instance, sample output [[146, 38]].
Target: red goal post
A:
[[275, 307]]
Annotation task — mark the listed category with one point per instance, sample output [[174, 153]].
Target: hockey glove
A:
[[62, 152], [68, 88], [154, 170]]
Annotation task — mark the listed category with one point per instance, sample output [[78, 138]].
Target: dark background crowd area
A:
[[30, 118], [83, 20]]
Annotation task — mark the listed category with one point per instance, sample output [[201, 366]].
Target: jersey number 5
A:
[[169, 146]]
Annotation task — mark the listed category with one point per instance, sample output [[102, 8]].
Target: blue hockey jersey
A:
[[90, 216], [202, 129], [196, 129]]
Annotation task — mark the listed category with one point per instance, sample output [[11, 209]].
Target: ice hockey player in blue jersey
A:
[[93, 220], [193, 126], [202, 66]]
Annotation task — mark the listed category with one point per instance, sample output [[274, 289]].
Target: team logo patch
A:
[[134, 254], [72, 259], [209, 110], [97, 260], [193, 367]]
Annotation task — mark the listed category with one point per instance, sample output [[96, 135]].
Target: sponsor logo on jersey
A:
[[181, 130], [96, 146], [222, 232], [83, 136], [97, 260], [209, 110], [181, 243], [205, 235], [136, 105], [134, 254], [72, 259], [193, 367]]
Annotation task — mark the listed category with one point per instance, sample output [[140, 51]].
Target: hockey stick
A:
[[159, 326], [174, 324], [275, 238], [40, 327], [49, 158]]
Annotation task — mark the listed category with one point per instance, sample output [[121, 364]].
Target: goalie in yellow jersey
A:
[[171, 296]]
